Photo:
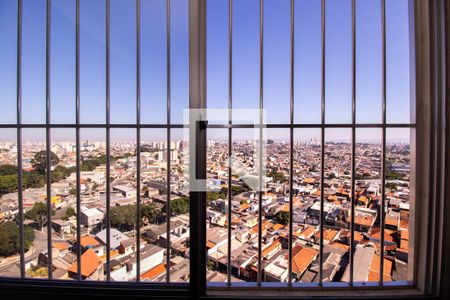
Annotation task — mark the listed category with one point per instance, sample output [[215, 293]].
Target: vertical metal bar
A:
[[138, 140], [168, 91], [322, 154], [261, 105], [197, 100], [291, 139], [230, 136], [108, 146], [383, 150], [77, 135], [48, 143], [353, 187], [19, 136]]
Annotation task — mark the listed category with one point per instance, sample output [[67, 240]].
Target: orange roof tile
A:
[[89, 263], [88, 240], [302, 258], [270, 248], [154, 272], [375, 267], [61, 245]]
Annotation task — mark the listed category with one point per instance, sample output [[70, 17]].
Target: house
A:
[[91, 267], [91, 217], [116, 237], [126, 191], [302, 257], [123, 268]]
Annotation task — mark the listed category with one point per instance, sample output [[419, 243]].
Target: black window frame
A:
[[430, 88]]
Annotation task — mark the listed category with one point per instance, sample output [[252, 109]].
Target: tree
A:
[[123, 217], [69, 213], [8, 184], [10, 238], [38, 213], [282, 217], [149, 213], [8, 170], [39, 161], [179, 206]]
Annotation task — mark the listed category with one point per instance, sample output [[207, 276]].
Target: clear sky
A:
[[245, 61]]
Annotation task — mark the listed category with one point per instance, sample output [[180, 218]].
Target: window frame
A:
[[430, 97]]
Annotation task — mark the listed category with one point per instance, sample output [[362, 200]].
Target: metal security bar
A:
[[77, 135], [19, 136], [291, 138], [322, 144], [138, 140], [108, 143], [353, 184], [261, 106], [383, 150], [168, 89], [230, 133], [48, 137]]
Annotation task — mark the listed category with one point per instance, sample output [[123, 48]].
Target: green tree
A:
[[149, 213], [123, 217], [10, 238], [179, 206], [8, 184], [282, 217], [69, 213], [39, 161], [38, 213], [8, 170]]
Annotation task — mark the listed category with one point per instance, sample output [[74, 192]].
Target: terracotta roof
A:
[[88, 240], [364, 220], [302, 258], [270, 248], [375, 268], [89, 263], [61, 245], [154, 272]]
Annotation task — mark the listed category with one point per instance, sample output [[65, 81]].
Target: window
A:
[[221, 147]]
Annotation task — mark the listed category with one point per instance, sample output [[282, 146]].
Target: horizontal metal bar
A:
[[212, 126], [303, 286]]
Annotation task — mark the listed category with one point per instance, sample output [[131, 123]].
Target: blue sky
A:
[[245, 60]]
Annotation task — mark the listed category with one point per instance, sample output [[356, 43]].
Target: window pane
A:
[[275, 239], [179, 203], [64, 202], [8, 61], [308, 74], [123, 61], [217, 53], [245, 203], [33, 61], [153, 61], [306, 197], [93, 205], [245, 54], [399, 206], [9, 221], [398, 102], [63, 61], [338, 61], [123, 208], [153, 200], [35, 200], [277, 60], [179, 34], [337, 202], [368, 61], [92, 61], [217, 206]]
